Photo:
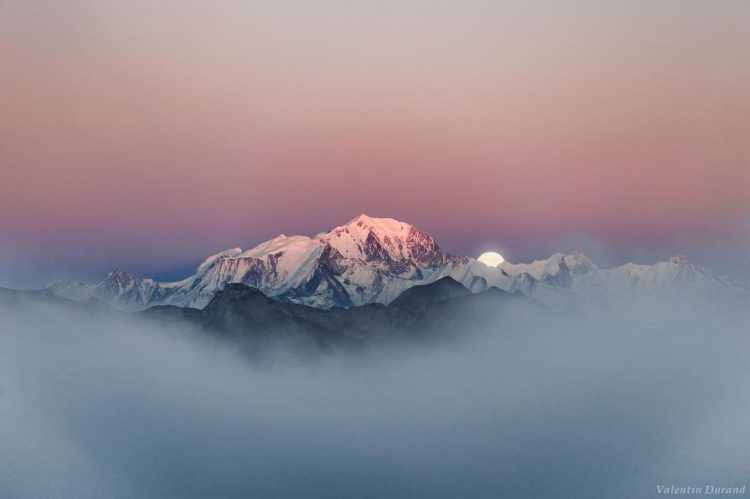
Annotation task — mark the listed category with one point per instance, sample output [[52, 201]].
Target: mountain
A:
[[253, 320], [127, 292], [374, 260], [367, 260], [246, 314], [423, 295], [562, 281]]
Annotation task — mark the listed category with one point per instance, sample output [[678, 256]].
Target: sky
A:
[[147, 135]]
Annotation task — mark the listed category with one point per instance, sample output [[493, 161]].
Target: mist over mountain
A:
[[441, 393]]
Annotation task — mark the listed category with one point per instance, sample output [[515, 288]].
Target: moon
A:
[[491, 259]]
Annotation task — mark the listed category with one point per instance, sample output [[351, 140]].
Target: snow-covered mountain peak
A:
[[382, 223], [385, 240], [123, 289], [360, 228], [120, 276]]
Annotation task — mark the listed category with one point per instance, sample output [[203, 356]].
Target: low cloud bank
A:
[[588, 405]]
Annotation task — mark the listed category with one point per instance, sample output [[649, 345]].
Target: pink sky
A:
[[201, 125]]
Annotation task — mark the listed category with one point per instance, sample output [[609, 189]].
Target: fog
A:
[[592, 404]]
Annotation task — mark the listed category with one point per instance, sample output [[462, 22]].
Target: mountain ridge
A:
[[374, 260], [248, 314]]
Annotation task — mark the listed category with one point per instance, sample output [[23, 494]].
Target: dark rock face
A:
[[525, 283], [561, 278], [114, 284], [324, 282], [373, 250], [333, 261], [257, 270], [425, 250]]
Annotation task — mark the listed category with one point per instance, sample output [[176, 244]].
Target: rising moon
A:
[[491, 259]]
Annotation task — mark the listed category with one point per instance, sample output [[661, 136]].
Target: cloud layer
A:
[[587, 406]]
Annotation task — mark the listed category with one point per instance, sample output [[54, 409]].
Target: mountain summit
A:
[[374, 260], [397, 245]]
